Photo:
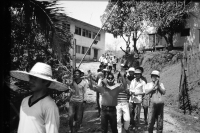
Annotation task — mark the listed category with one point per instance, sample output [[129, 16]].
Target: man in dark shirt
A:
[[109, 92]]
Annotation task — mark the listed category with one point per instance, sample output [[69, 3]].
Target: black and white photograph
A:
[[100, 66]]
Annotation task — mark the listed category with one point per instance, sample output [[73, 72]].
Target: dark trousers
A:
[[145, 113], [108, 114], [114, 67], [98, 104], [156, 114], [75, 108], [132, 107]]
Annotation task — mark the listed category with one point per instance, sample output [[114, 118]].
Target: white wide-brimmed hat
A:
[[40, 70]]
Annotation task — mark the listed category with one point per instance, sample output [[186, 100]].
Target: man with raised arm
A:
[[109, 91]]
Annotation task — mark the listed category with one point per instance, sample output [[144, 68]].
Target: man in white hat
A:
[[131, 74], [38, 112], [156, 90], [137, 90]]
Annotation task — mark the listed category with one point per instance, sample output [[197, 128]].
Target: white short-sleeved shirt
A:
[[137, 86], [40, 117]]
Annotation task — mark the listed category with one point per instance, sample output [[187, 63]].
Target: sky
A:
[[90, 11]]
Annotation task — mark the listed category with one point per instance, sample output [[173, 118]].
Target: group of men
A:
[[108, 61], [120, 100]]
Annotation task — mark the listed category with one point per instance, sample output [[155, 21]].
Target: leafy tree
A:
[[127, 18], [37, 33], [169, 18]]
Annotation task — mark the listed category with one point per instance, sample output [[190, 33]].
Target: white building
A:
[[84, 35], [190, 35]]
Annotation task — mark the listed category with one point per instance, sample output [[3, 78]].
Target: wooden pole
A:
[[74, 54], [97, 34]]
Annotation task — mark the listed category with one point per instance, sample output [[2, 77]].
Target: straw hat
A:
[[40, 70]]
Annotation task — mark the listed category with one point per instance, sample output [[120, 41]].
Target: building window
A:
[[89, 52], [78, 49], [154, 40], [68, 27], [93, 35], [77, 30], [89, 34], [84, 50], [185, 32], [86, 33], [98, 37], [83, 33]]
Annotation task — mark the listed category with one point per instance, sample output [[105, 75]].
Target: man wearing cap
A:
[[109, 92], [76, 101], [137, 90], [38, 112], [130, 74], [156, 90]]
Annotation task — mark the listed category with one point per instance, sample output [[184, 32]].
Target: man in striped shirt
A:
[[76, 102], [123, 110]]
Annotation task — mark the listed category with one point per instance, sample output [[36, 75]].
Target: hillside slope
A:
[[169, 65]]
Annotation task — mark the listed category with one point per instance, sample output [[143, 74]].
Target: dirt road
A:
[[92, 124]]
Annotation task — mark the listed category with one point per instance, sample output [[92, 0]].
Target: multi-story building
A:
[[84, 35]]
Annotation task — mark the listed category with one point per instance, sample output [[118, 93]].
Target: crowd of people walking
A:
[[120, 97]]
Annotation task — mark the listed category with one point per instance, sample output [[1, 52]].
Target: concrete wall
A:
[[85, 41], [194, 24]]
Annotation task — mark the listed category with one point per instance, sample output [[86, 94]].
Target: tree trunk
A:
[[169, 41], [170, 38], [134, 45]]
